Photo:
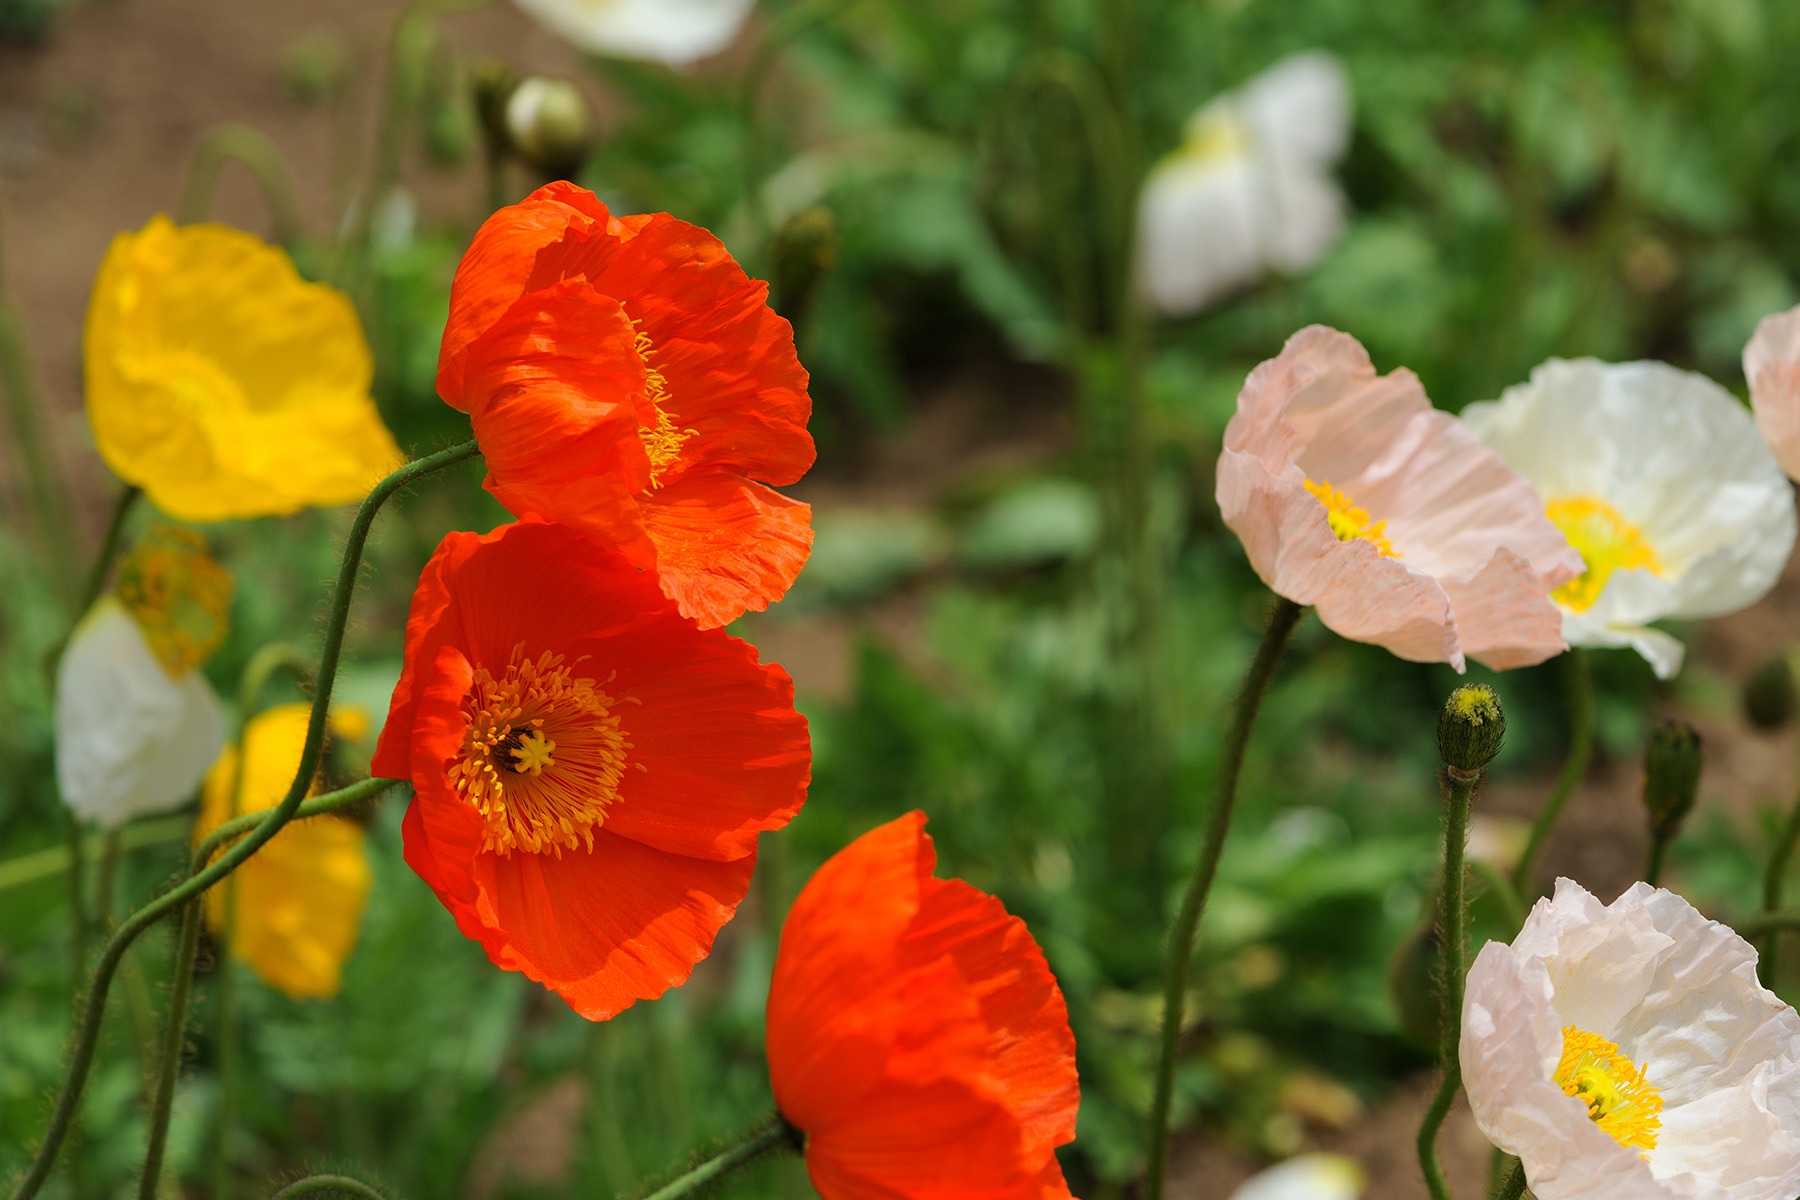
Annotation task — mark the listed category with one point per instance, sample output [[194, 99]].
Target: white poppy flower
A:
[[1660, 482], [670, 31], [1307, 1177], [1627, 1052], [130, 737], [1250, 187]]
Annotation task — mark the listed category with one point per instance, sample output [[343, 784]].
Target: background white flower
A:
[[1676, 995], [1660, 480], [1772, 368], [670, 31], [1250, 188], [130, 738], [1306, 1177]]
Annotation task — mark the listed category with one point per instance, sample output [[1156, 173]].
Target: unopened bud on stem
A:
[[1672, 762], [1471, 728], [548, 124]]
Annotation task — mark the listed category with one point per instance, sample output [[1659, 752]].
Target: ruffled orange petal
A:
[[498, 265], [606, 927], [725, 545]]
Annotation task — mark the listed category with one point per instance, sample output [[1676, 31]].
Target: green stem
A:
[[225, 1021], [82, 1054], [78, 910], [233, 140], [1284, 614], [162, 1102], [1774, 878], [54, 860], [1765, 922], [1497, 883], [109, 549], [106, 877], [1579, 685], [1459, 789], [326, 1185], [1659, 853], [1514, 1187], [774, 1134]]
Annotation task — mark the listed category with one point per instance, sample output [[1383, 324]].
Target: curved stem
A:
[[78, 910], [1459, 789], [774, 1134], [330, 802], [1284, 614], [82, 1055], [1578, 683], [1774, 877], [162, 1102], [326, 1185], [244, 143], [109, 549], [1767, 922]]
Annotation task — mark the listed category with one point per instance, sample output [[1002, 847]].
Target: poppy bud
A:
[[548, 125], [1471, 728], [806, 246], [1769, 694], [1671, 776]]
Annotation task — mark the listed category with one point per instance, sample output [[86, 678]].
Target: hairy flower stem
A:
[[772, 1135], [1284, 614], [1459, 788], [1514, 1187], [87, 1034], [1579, 688], [1774, 877], [162, 1101]]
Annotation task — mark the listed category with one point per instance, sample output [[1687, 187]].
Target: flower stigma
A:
[[542, 756], [1624, 1104], [1606, 541], [663, 441], [1349, 521]]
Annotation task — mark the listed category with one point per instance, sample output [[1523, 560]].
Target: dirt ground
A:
[[96, 130]]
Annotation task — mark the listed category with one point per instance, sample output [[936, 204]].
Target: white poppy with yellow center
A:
[[1250, 187], [1660, 481], [669, 31], [1627, 1052]]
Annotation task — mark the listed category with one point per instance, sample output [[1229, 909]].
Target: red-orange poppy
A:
[[915, 1034], [590, 770], [626, 377]]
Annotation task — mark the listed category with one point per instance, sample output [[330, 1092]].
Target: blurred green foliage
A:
[[1528, 179]]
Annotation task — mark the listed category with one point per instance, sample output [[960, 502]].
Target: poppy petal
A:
[[725, 545], [606, 927]]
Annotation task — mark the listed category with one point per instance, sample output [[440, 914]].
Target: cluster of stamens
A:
[[542, 756], [662, 441], [1619, 1099], [1349, 521]]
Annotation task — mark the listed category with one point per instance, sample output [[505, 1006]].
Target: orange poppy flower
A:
[[915, 1034], [625, 376], [590, 770]]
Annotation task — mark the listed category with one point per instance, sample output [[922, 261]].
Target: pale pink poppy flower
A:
[[1352, 494], [1772, 367]]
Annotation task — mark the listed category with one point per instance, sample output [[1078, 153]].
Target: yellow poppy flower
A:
[[297, 904], [225, 385]]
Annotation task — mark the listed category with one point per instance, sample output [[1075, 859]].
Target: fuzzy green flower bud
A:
[[1471, 728], [1769, 694], [1672, 762]]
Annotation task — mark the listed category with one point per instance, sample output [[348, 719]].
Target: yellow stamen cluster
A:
[[662, 442], [1619, 1099], [1606, 541], [542, 757], [178, 595], [1350, 522]]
